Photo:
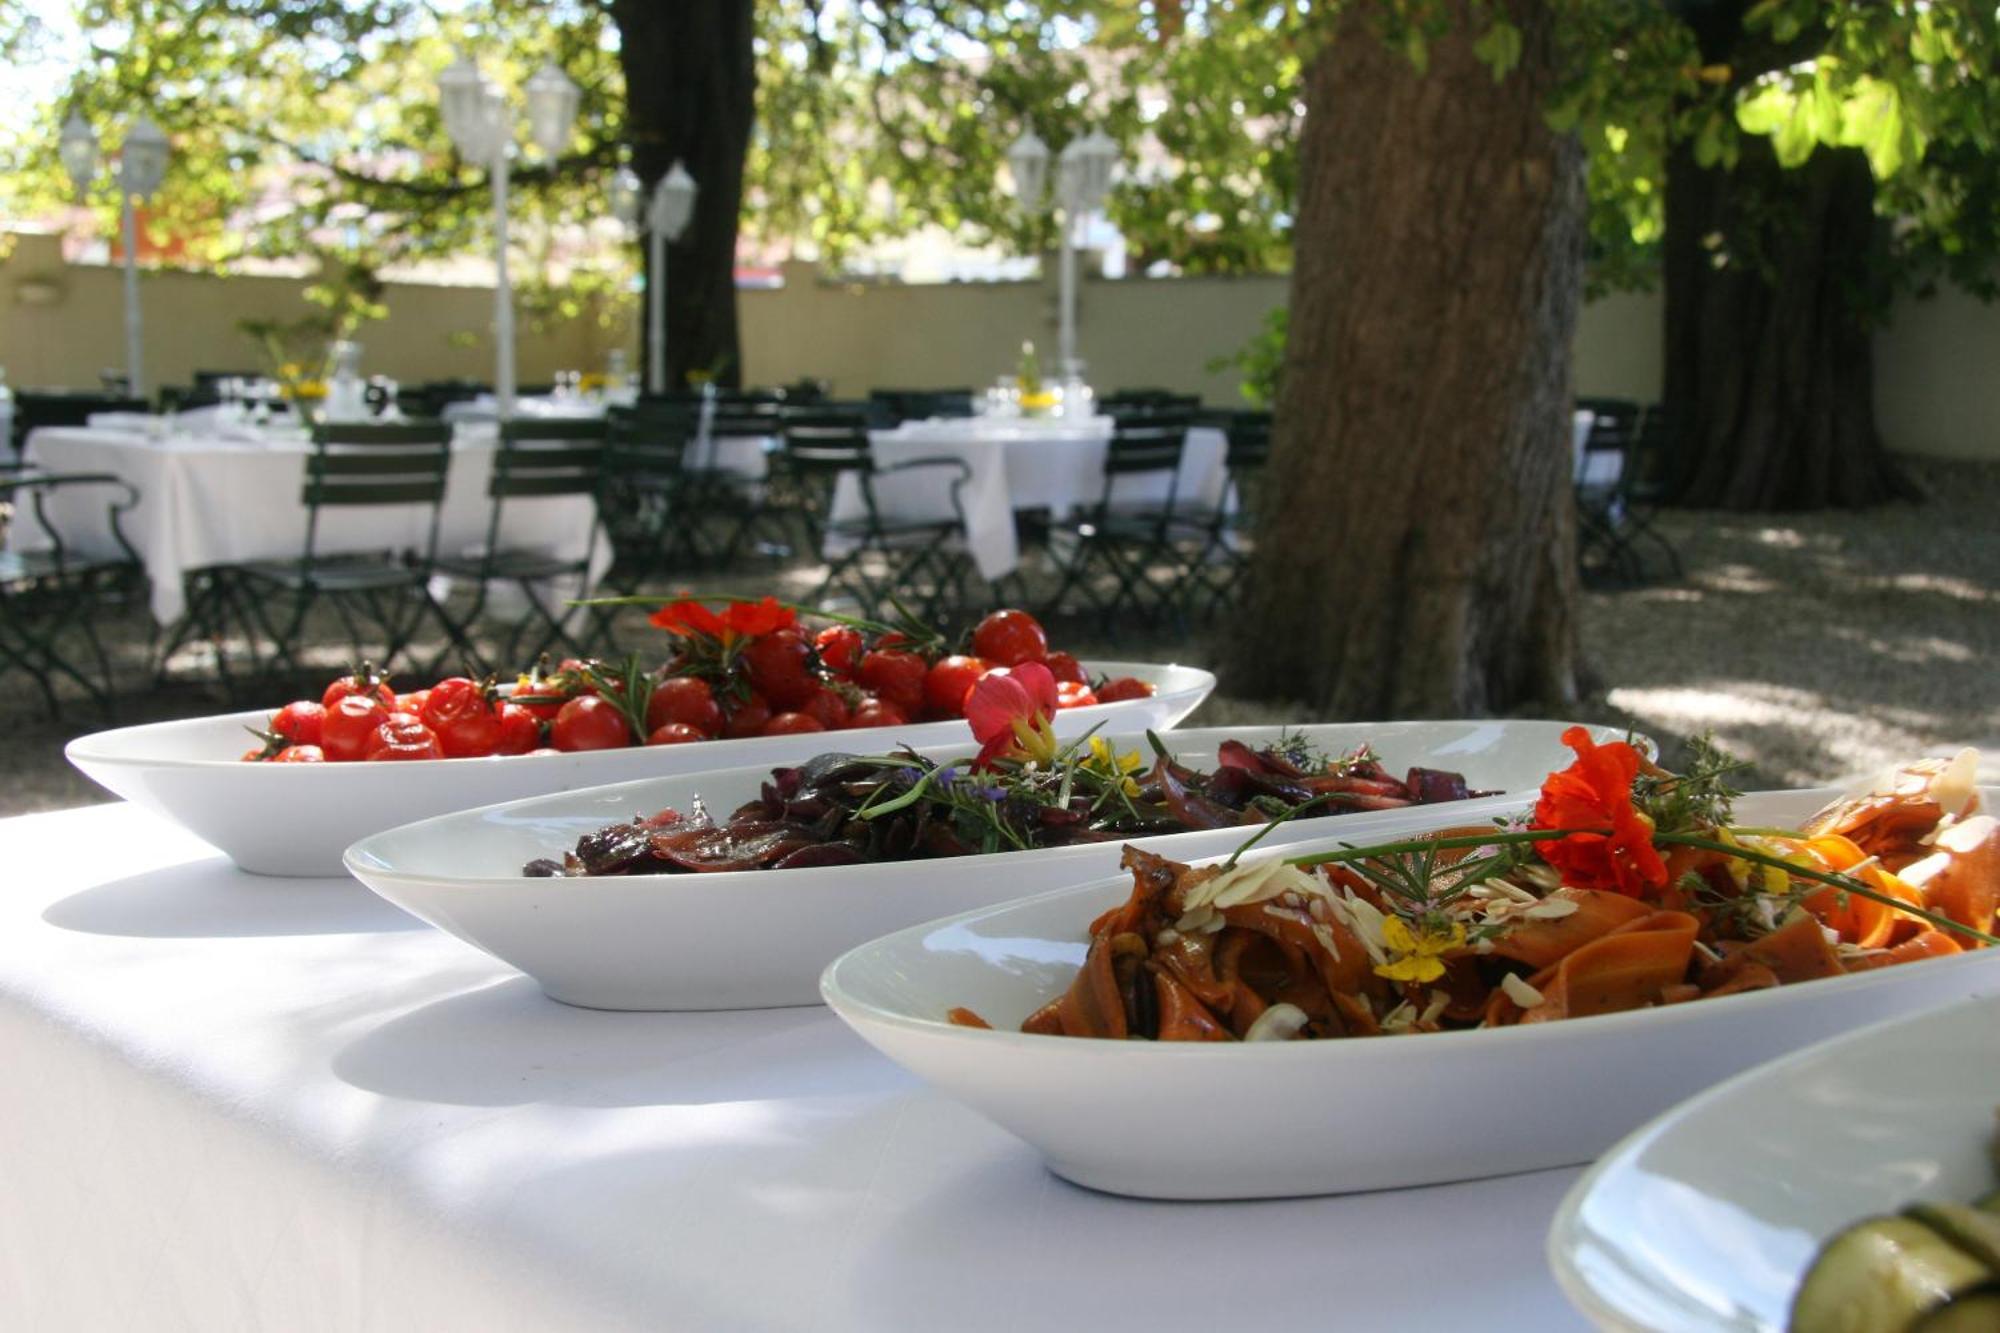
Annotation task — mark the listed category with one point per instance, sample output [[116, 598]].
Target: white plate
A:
[[296, 819], [1198, 1121], [1708, 1217], [762, 938]]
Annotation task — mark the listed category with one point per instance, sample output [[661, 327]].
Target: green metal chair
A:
[[642, 492], [1132, 541], [52, 593], [387, 591], [535, 460], [1220, 537]]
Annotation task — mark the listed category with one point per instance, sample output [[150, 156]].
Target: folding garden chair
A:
[[351, 466], [1222, 534], [537, 459], [51, 593], [1619, 485], [1130, 537], [642, 498], [918, 535]]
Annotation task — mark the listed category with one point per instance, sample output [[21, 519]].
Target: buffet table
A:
[[209, 499], [237, 1102]]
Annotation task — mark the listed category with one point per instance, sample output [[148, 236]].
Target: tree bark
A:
[[1416, 550], [690, 93], [1772, 283]]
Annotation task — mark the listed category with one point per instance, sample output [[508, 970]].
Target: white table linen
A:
[[239, 1103], [1021, 463], [486, 408], [209, 501]]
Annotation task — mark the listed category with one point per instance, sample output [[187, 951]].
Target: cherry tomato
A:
[[780, 667], [350, 724], [675, 733], [747, 718], [366, 681], [687, 700], [791, 724], [413, 702], [520, 729], [1009, 638], [1069, 694], [256, 756], [840, 648], [896, 677], [299, 723], [826, 707], [552, 691], [403, 736], [299, 754], [876, 713], [590, 723], [1125, 687], [946, 684], [1064, 666], [457, 710]]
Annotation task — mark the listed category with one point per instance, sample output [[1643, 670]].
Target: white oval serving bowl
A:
[[1708, 1217], [297, 819], [1177, 1120], [761, 938]]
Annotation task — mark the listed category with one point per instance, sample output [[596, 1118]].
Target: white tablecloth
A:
[[1022, 464], [240, 1103], [206, 501], [486, 408]]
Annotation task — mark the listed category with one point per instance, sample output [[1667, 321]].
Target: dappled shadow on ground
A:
[[1814, 645]]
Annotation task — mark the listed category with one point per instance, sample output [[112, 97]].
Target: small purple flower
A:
[[909, 775], [995, 794], [947, 776]]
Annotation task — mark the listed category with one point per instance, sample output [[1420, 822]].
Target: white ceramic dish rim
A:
[[1563, 1226], [92, 746], [1525, 1035], [1478, 808]]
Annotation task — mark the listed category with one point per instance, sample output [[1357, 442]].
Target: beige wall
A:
[[1937, 361]]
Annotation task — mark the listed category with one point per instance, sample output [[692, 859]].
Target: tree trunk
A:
[[1772, 282], [1416, 551], [690, 96]]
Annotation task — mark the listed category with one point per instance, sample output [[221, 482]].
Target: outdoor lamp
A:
[[142, 162], [673, 203], [461, 100], [1028, 159], [627, 193], [1087, 164], [78, 150], [552, 103], [667, 218]]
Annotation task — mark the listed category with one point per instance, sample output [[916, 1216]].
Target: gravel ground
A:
[[1816, 647]]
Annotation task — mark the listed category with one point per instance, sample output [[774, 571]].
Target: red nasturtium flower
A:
[[739, 620], [1009, 709], [1613, 848]]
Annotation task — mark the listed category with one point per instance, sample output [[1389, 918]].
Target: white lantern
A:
[[461, 100], [1028, 159], [1087, 164], [78, 150], [673, 203], [552, 103], [627, 193], [142, 162]]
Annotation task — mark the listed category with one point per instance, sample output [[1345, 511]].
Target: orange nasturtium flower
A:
[[1612, 847], [739, 620]]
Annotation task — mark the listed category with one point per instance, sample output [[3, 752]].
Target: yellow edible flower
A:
[[1112, 764], [1414, 955]]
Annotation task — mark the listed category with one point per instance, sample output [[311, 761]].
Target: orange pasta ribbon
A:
[[1628, 968]]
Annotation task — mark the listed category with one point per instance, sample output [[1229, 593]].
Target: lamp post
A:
[[1083, 179], [481, 126], [142, 165], [665, 219]]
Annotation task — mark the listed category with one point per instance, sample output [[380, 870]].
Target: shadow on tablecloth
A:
[[199, 900]]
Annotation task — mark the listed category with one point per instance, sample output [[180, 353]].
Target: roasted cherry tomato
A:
[[461, 715], [687, 700], [403, 736], [946, 684], [675, 733], [1009, 638], [590, 723], [349, 725], [746, 718], [366, 681], [299, 754], [872, 712], [826, 707], [520, 729], [1069, 694], [413, 702], [780, 667], [839, 648], [299, 723], [1124, 687], [791, 724], [1064, 666], [896, 677]]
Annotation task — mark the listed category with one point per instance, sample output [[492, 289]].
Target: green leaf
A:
[[1417, 50], [1499, 48]]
